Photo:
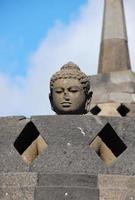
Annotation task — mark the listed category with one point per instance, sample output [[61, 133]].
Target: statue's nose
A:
[[66, 95]]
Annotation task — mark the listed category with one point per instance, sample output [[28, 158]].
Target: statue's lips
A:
[[66, 104]]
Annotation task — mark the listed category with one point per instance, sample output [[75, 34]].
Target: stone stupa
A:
[[114, 86]]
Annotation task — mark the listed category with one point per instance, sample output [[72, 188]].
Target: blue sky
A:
[[37, 37], [24, 24]]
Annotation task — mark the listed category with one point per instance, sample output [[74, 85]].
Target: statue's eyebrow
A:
[[57, 88], [74, 87]]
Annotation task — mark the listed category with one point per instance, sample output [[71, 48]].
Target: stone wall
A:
[[113, 94], [68, 168]]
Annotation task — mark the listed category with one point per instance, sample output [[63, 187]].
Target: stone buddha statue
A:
[[70, 90], [69, 94]]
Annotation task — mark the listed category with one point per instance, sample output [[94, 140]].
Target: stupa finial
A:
[[114, 54]]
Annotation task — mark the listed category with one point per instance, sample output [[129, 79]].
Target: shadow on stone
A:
[[123, 110], [108, 145], [96, 110], [29, 143]]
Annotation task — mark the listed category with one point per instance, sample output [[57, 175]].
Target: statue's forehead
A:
[[67, 82]]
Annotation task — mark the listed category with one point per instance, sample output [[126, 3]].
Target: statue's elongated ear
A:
[[89, 96], [51, 100], [88, 101], [50, 97]]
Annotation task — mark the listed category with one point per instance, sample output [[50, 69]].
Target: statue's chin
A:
[[68, 111]]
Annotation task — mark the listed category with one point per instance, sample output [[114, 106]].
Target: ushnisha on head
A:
[[70, 90]]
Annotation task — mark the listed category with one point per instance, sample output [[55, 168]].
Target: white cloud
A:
[[78, 41]]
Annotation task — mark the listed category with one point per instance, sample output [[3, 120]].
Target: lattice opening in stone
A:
[[108, 145], [96, 110], [123, 110], [30, 143]]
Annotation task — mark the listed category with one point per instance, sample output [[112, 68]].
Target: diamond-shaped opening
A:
[[108, 145], [123, 110], [96, 110], [30, 143]]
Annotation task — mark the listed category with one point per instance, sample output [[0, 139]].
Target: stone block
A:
[[124, 164], [113, 97], [64, 129], [73, 159], [131, 107], [118, 87], [121, 97], [109, 109], [118, 77], [116, 182], [20, 179], [122, 76], [113, 109], [68, 148], [10, 159], [114, 55], [116, 187], [13, 193], [117, 194], [69, 151], [126, 87], [67, 193], [17, 186], [67, 180]]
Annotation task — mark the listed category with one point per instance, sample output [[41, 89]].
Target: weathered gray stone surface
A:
[[124, 80], [114, 97], [68, 168], [60, 193], [18, 179], [114, 53], [13, 193], [17, 186], [10, 160], [66, 186], [116, 187], [118, 87], [114, 20], [67, 180], [68, 148]]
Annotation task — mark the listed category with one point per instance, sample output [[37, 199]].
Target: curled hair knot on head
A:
[[71, 70]]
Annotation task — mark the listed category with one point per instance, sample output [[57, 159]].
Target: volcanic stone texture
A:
[[114, 53], [10, 160], [113, 89], [114, 56], [68, 168]]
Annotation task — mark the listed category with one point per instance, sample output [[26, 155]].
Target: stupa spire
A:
[[114, 53]]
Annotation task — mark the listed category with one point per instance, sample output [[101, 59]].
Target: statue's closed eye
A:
[[73, 89], [58, 90]]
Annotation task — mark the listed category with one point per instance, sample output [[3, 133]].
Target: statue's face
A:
[[68, 96]]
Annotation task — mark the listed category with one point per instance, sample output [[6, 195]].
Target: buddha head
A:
[[69, 90]]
